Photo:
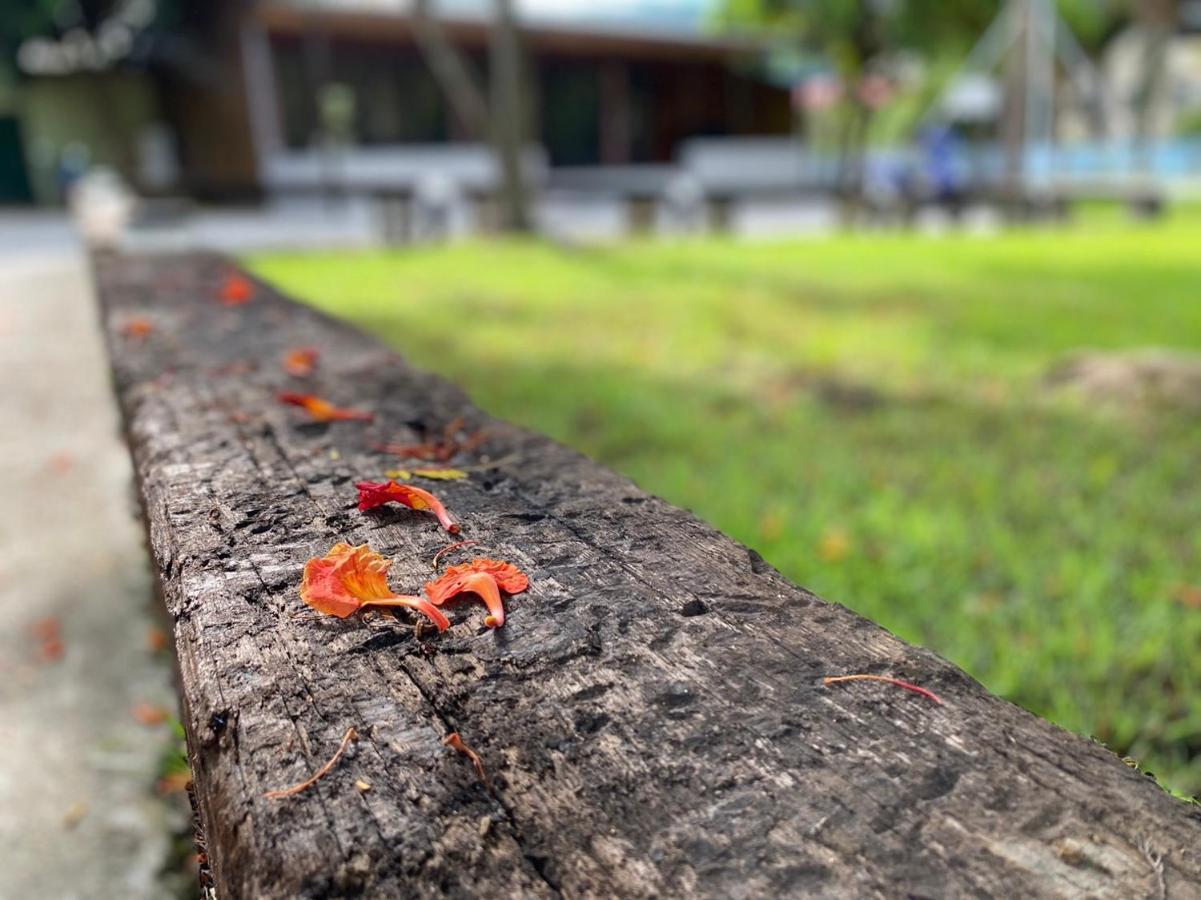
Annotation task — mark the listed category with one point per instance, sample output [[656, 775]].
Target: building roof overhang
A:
[[394, 26]]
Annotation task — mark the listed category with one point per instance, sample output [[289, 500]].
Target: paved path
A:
[[79, 817]]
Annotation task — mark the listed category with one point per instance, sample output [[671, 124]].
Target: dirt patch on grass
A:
[[1132, 380], [834, 391]]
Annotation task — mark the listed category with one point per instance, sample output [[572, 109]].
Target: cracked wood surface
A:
[[652, 715]]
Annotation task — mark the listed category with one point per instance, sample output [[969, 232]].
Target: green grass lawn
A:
[[868, 413]]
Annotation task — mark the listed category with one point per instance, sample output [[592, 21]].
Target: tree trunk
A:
[[1156, 20], [852, 150], [865, 46], [1013, 115], [508, 118], [500, 121], [450, 71]]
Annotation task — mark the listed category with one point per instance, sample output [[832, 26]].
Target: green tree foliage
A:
[[21, 19], [842, 30], [856, 38]]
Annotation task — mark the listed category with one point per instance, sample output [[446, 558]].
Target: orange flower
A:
[[377, 493], [323, 410], [137, 328], [150, 714], [300, 361], [236, 290], [484, 577], [349, 579]]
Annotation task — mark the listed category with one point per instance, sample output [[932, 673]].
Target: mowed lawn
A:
[[870, 414]]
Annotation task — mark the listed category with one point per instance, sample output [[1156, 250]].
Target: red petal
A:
[[377, 493], [322, 410], [324, 585], [349, 579], [443, 588], [340, 582], [300, 361], [236, 290], [484, 577], [479, 583], [137, 327], [508, 577], [420, 604], [484, 585]]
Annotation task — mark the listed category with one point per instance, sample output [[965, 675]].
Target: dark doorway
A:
[[571, 113], [14, 181]]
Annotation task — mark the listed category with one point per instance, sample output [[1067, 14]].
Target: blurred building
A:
[[258, 97], [162, 103], [598, 96]]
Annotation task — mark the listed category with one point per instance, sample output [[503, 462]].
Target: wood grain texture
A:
[[651, 715]]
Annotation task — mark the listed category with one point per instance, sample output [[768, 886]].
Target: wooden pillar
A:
[[614, 111], [262, 95]]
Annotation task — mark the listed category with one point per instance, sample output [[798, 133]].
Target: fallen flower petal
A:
[[419, 604], [236, 289], [137, 328], [46, 628], [349, 579], [836, 679], [455, 742], [398, 474], [62, 463], [351, 735], [1188, 595], [322, 410], [483, 577], [441, 474], [339, 583], [485, 587], [156, 639], [377, 493], [149, 714], [301, 361], [49, 636], [834, 545], [75, 814], [510, 578], [174, 783]]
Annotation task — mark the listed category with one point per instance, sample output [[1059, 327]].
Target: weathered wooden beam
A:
[[652, 714]]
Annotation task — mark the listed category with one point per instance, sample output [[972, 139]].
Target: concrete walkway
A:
[[79, 817]]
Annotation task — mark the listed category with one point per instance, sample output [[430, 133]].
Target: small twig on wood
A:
[[351, 735], [1155, 861], [455, 742], [447, 549], [835, 679]]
